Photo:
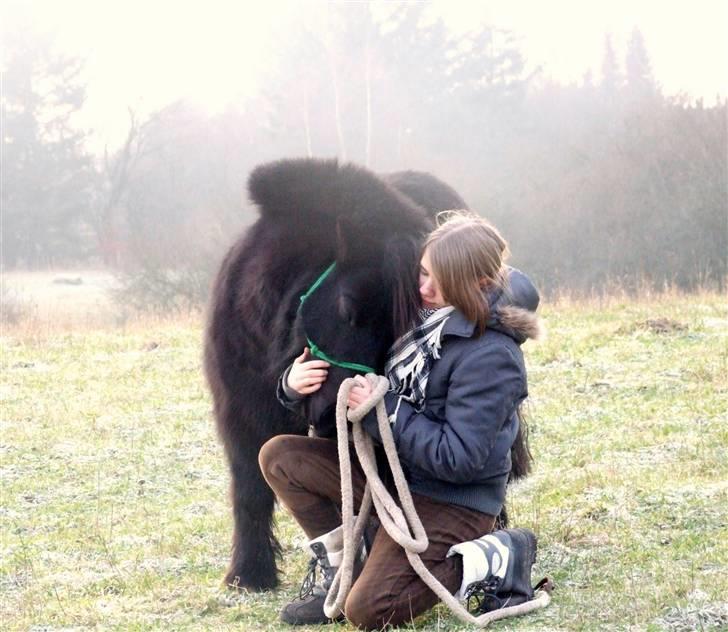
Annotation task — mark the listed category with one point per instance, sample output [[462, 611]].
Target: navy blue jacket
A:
[[457, 449]]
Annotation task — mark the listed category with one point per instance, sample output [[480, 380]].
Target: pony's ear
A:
[[400, 272]]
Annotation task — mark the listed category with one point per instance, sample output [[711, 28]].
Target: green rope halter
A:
[[316, 351]]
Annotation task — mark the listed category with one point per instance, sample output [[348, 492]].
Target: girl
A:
[[456, 382]]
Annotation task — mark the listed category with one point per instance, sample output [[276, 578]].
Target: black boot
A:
[[509, 582], [308, 607]]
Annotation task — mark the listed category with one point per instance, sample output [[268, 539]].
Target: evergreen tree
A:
[[640, 79], [47, 176], [611, 74]]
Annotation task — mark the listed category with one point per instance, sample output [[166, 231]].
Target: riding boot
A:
[[326, 552], [504, 568]]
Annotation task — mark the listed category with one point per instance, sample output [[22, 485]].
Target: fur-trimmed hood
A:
[[520, 324], [512, 311]]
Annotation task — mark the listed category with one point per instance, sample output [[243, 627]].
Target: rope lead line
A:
[[403, 525], [318, 353]]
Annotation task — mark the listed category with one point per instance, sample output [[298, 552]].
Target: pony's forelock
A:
[[400, 273]]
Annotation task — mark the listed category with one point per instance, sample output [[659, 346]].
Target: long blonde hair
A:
[[467, 254]]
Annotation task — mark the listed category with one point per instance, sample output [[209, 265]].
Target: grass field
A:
[[114, 488]]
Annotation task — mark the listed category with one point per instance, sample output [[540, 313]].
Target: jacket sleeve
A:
[[484, 388], [286, 395]]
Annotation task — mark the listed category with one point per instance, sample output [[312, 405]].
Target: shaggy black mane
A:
[[310, 196]]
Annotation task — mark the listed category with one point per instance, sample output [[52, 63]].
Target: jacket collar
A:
[[458, 325]]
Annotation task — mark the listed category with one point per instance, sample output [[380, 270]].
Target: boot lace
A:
[[309, 582], [480, 597]]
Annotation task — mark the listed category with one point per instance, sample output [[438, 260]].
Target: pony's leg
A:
[[254, 547]]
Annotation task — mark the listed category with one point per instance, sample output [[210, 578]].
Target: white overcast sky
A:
[[146, 54]]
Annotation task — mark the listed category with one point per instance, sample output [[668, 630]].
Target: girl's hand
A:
[[306, 376], [359, 392]]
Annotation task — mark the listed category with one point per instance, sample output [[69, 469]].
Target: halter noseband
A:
[[316, 351]]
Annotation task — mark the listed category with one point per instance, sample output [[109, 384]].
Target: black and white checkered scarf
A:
[[411, 356]]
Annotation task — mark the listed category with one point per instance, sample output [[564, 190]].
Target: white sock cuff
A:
[[333, 541]]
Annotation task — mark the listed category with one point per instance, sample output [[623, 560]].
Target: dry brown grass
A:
[[115, 512], [42, 303]]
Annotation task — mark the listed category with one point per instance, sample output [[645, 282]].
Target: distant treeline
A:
[[606, 181]]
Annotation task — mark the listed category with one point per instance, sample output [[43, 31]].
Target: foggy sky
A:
[[146, 55]]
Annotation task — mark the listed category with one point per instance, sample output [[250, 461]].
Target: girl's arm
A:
[[485, 388]]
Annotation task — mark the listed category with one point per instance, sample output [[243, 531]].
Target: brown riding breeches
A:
[[304, 474]]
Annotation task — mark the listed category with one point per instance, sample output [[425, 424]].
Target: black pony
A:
[[313, 213]]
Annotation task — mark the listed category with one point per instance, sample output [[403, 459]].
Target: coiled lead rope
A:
[[403, 525]]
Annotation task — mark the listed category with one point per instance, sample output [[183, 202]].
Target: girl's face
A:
[[429, 287]]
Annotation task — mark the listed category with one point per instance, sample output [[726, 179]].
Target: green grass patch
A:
[[114, 506]]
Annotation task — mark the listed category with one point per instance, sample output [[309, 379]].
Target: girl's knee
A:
[[274, 452], [366, 611]]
